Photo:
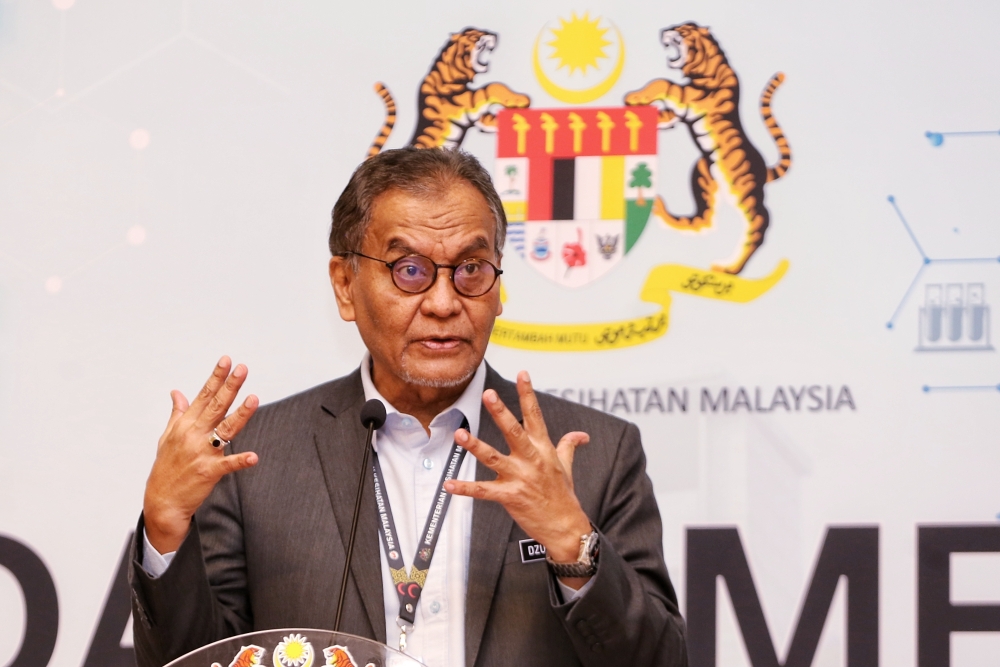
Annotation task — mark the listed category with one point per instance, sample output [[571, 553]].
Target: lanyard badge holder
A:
[[410, 586], [403, 628]]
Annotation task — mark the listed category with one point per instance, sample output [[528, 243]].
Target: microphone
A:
[[373, 415], [372, 418]]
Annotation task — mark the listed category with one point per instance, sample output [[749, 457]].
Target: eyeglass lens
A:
[[416, 273]]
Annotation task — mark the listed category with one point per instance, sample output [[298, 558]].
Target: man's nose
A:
[[441, 300]]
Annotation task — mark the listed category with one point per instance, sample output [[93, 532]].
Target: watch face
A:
[[586, 564]]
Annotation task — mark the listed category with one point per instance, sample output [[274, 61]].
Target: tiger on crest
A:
[[249, 656], [340, 656], [448, 107], [708, 104]]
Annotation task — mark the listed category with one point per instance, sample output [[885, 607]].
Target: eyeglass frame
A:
[[437, 267]]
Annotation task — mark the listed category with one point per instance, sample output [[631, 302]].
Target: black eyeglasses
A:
[[415, 274]]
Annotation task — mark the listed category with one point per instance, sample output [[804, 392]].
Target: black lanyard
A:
[[409, 587]]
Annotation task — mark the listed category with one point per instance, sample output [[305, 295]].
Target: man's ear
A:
[[342, 278]]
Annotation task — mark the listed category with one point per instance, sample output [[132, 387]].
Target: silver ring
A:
[[217, 440]]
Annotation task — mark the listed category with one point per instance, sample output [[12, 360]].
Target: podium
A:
[[295, 647]]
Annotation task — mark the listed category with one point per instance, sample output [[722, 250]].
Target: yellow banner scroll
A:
[[660, 282]]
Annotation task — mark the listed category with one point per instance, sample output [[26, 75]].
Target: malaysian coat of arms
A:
[[579, 183]]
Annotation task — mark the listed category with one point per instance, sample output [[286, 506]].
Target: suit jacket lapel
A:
[[340, 440], [491, 526]]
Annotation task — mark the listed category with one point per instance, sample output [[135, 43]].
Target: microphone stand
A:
[[372, 422]]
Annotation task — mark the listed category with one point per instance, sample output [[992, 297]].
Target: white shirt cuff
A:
[[568, 594], [156, 564]]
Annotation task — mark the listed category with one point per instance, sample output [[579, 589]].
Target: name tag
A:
[[531, 551]]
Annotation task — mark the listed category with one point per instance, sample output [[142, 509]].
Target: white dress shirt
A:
[[411, 464]]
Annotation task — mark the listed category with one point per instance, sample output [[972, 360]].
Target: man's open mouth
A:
[[440, 344]]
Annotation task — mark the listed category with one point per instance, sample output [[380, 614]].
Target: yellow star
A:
[[579, 43]]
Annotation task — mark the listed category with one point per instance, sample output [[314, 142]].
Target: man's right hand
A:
[[187, 466]]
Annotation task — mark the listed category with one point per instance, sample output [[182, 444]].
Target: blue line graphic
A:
[[909, 290], [906, 225], [972, 387], [925, 262], [937, 138]]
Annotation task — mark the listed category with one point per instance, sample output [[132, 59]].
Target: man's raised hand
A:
[[187, 466], [535, 482]]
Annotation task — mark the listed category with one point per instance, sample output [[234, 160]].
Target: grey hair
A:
[[421, 172]]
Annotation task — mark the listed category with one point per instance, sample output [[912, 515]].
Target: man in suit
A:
[[256, 538]]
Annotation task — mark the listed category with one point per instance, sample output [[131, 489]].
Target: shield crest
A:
[[577, 186]]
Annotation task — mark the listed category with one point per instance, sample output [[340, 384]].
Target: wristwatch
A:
[[586, 563]]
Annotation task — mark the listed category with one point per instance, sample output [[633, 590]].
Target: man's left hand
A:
[[535, 482]]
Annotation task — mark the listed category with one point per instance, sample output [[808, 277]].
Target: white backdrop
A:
[[167, 171]]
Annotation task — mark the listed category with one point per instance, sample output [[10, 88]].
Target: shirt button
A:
[[407, 421], [428, 464], [435, 607]]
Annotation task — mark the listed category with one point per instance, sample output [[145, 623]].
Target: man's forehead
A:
[[408, 244], [457, 214]]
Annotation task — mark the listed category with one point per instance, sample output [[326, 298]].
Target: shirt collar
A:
[[469, 403]]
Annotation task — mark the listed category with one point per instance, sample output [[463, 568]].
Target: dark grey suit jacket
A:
[[267, 548]]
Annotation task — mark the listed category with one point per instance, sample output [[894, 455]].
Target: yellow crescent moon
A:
[[587, 94]]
